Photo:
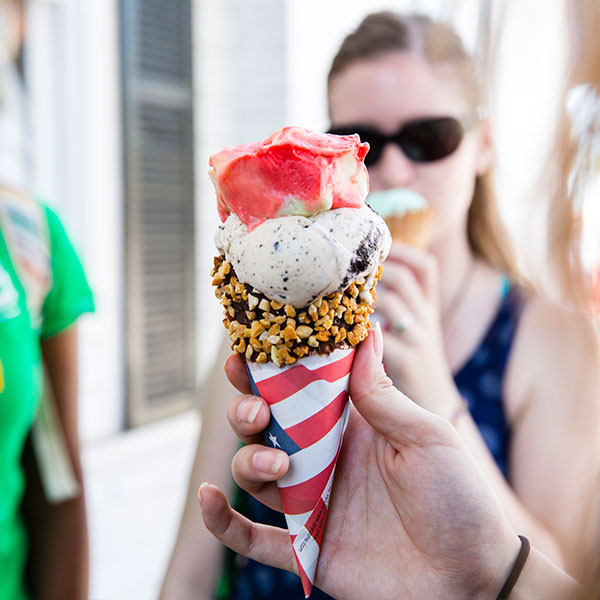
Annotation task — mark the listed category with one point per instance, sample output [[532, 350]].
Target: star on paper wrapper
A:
[[309, 412]]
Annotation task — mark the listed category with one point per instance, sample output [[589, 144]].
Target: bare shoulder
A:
[[550, 327], [555, 352]]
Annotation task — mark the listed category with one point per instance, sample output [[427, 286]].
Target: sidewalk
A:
[[135, 485]]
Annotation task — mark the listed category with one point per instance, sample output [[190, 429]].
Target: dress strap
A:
[[505, 286]]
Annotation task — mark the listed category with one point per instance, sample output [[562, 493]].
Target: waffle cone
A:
[[309, 412], [412, 228]]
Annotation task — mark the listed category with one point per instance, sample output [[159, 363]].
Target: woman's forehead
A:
[[394, 86]]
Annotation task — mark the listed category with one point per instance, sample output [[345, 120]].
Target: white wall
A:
[[311, 45], [240, 97], [532, 61], [73, 76], [135, 481]]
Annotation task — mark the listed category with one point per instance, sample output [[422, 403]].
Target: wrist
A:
[[461, 408], [496, 568], [453, 407]]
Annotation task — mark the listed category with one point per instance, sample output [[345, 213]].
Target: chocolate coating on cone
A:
[[264, 330]]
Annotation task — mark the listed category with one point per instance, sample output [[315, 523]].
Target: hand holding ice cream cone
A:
[[388, 533]]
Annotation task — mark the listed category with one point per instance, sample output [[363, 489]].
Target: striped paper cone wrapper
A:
[[309, 412]]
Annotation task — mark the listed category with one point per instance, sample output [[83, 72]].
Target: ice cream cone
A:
[[407, 214], [299, 257], [309, 412], [412, 228]]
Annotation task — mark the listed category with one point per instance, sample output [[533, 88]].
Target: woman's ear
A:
[[485, 156]]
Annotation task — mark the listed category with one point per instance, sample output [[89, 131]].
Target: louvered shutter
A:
[[159, 206]]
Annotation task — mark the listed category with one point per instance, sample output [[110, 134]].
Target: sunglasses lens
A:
[[421, 141], [431, 140]]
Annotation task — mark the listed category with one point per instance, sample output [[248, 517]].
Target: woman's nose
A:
[[394, 169]]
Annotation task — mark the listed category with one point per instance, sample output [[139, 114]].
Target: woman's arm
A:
[[58, 532], [553, 401], [519, 515], [197, 556], [552, 391]]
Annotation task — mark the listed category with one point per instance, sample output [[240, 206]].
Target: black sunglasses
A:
[[422, 140]]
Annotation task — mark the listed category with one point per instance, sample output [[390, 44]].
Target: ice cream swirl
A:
[[296, 259]]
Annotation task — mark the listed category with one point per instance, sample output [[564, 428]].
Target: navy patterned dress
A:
[[480, 383]]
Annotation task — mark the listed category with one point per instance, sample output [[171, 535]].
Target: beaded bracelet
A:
[[516, 570]]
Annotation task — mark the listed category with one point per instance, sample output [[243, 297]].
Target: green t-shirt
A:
[[21, 380]]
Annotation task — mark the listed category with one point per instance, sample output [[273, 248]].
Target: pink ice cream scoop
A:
[[293, 172]]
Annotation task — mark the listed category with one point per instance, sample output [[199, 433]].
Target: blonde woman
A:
[[527, 367]]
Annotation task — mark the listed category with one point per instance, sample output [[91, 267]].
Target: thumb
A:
[[373, 394]]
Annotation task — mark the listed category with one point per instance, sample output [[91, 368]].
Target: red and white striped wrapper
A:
[[309, 412]]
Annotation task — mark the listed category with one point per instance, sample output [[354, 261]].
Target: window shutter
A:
[[159, 206]]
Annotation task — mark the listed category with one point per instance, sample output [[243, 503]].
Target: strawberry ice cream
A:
[[293, 172]]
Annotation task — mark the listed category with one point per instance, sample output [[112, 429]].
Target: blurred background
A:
[[126, 101]]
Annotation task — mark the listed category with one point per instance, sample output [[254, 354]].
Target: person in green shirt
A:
[[43, 291], [58, 544]]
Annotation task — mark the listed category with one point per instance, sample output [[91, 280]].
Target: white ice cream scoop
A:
[[295, 259]]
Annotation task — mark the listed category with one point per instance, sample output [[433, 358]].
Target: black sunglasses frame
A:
[[421, 140]]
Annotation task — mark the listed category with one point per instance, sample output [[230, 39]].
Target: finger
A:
[[394, 312], [235, 369], [422, 264], [248, 416], [397, 360], [403, 282], [263, 543], [384, 407], [255, 468], [397, 353]]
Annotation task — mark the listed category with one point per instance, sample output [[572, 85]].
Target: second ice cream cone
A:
[[407, 215], [412, 228], [309, 411]]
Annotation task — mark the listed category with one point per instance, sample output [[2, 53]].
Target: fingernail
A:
[[248, 409], [378, 341], [202, 485], [265, 462]]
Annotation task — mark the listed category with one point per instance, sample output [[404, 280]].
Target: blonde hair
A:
[[386, 31]]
